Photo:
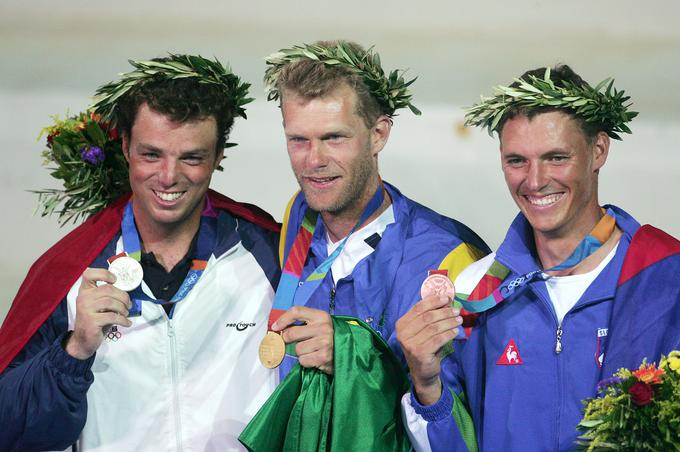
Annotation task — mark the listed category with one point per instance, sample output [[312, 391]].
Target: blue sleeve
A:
[[446, 424], [43, 392]]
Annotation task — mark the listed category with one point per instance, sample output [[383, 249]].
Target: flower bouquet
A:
[[636, 410], [85, 153]]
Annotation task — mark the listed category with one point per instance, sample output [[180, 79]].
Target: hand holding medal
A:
[[427, 327], [128, 272], [99, 307]]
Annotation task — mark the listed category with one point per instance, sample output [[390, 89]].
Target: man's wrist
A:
[[72, 348], [428, 393]]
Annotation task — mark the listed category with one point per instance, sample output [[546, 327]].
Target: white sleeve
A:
[[415, 424]]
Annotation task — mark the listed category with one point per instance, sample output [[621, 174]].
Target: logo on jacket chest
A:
[[239, 326], [599, 350], [510, 356]]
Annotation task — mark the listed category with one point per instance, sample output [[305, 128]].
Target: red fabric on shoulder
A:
[[649, 245], [54, 273], [248, 212]]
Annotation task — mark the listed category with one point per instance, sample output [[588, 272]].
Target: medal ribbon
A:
[[292, 291], [132, 248], [492, 288]]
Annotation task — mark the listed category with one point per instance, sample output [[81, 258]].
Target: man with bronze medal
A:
[[576, 290], [355, 253], [142, 356]]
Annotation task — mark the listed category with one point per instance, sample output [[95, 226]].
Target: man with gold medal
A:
[[575, 291], [355, 253]]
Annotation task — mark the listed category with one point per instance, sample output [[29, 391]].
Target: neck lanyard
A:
[[492, 289], [132, 248], [292, 289]]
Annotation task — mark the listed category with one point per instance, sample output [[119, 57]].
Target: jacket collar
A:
[[518, 253]]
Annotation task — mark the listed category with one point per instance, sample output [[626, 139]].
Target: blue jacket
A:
[[536, 405], [44, 391], [386, 284]]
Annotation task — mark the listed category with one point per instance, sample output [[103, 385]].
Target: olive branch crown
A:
[[84, 151], [173, 67], [605, 107], [391, 91]]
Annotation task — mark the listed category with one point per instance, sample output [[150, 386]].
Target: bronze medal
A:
[[437, 284], [272, 350]]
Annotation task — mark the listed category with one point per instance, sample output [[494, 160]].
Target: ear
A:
[[600, 148], [380, 132], [125, 146], [218, 159]]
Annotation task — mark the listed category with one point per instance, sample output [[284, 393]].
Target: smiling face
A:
[[171, 165], [333, 154], [551, 170]]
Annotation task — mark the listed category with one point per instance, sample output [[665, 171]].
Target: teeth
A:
[[544, 200], [169, 196], [322, 179]]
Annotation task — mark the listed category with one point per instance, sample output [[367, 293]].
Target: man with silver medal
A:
[[129, 344]]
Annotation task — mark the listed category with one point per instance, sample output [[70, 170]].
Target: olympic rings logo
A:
[[113, 335]]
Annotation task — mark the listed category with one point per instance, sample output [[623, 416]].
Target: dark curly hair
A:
[[181, 100]]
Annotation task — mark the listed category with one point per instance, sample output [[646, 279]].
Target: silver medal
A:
[[129, 273]]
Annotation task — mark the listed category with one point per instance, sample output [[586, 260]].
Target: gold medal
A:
[[272, 350]]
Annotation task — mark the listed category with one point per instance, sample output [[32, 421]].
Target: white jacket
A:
[[191, 382]]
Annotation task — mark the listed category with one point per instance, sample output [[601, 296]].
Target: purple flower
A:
[[92, 155], [604, 384]]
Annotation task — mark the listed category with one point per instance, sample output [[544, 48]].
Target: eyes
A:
[[331, 139], [192, 158], [516, 161]]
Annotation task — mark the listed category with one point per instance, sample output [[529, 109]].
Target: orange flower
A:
[[648, 373]]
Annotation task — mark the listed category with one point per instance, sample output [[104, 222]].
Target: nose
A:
[[317, 156], [167, 175], [537, 176]]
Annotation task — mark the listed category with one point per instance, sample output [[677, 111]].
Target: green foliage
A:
[[614, 422], [391, 91], [176, 67], [606, 107], [88, 187]]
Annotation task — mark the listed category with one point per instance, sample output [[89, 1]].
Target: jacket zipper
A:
[[559, 347], [331, 301], [174, 379], [558, 339]]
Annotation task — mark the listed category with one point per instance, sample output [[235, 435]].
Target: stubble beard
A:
[[350, 195]]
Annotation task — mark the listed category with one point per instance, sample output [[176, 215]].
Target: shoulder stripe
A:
[[459, 258], [455, 262], [284, 228], [649, 246]]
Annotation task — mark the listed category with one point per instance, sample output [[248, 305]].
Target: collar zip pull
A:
[[558, 341]]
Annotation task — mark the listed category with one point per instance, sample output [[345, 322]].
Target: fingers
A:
[[92, 275], [97, 305], [314, 339], [306, 332], [106, 304], [107, 319], [314, 352], [427, 314], [112, 293], [302, 314]]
